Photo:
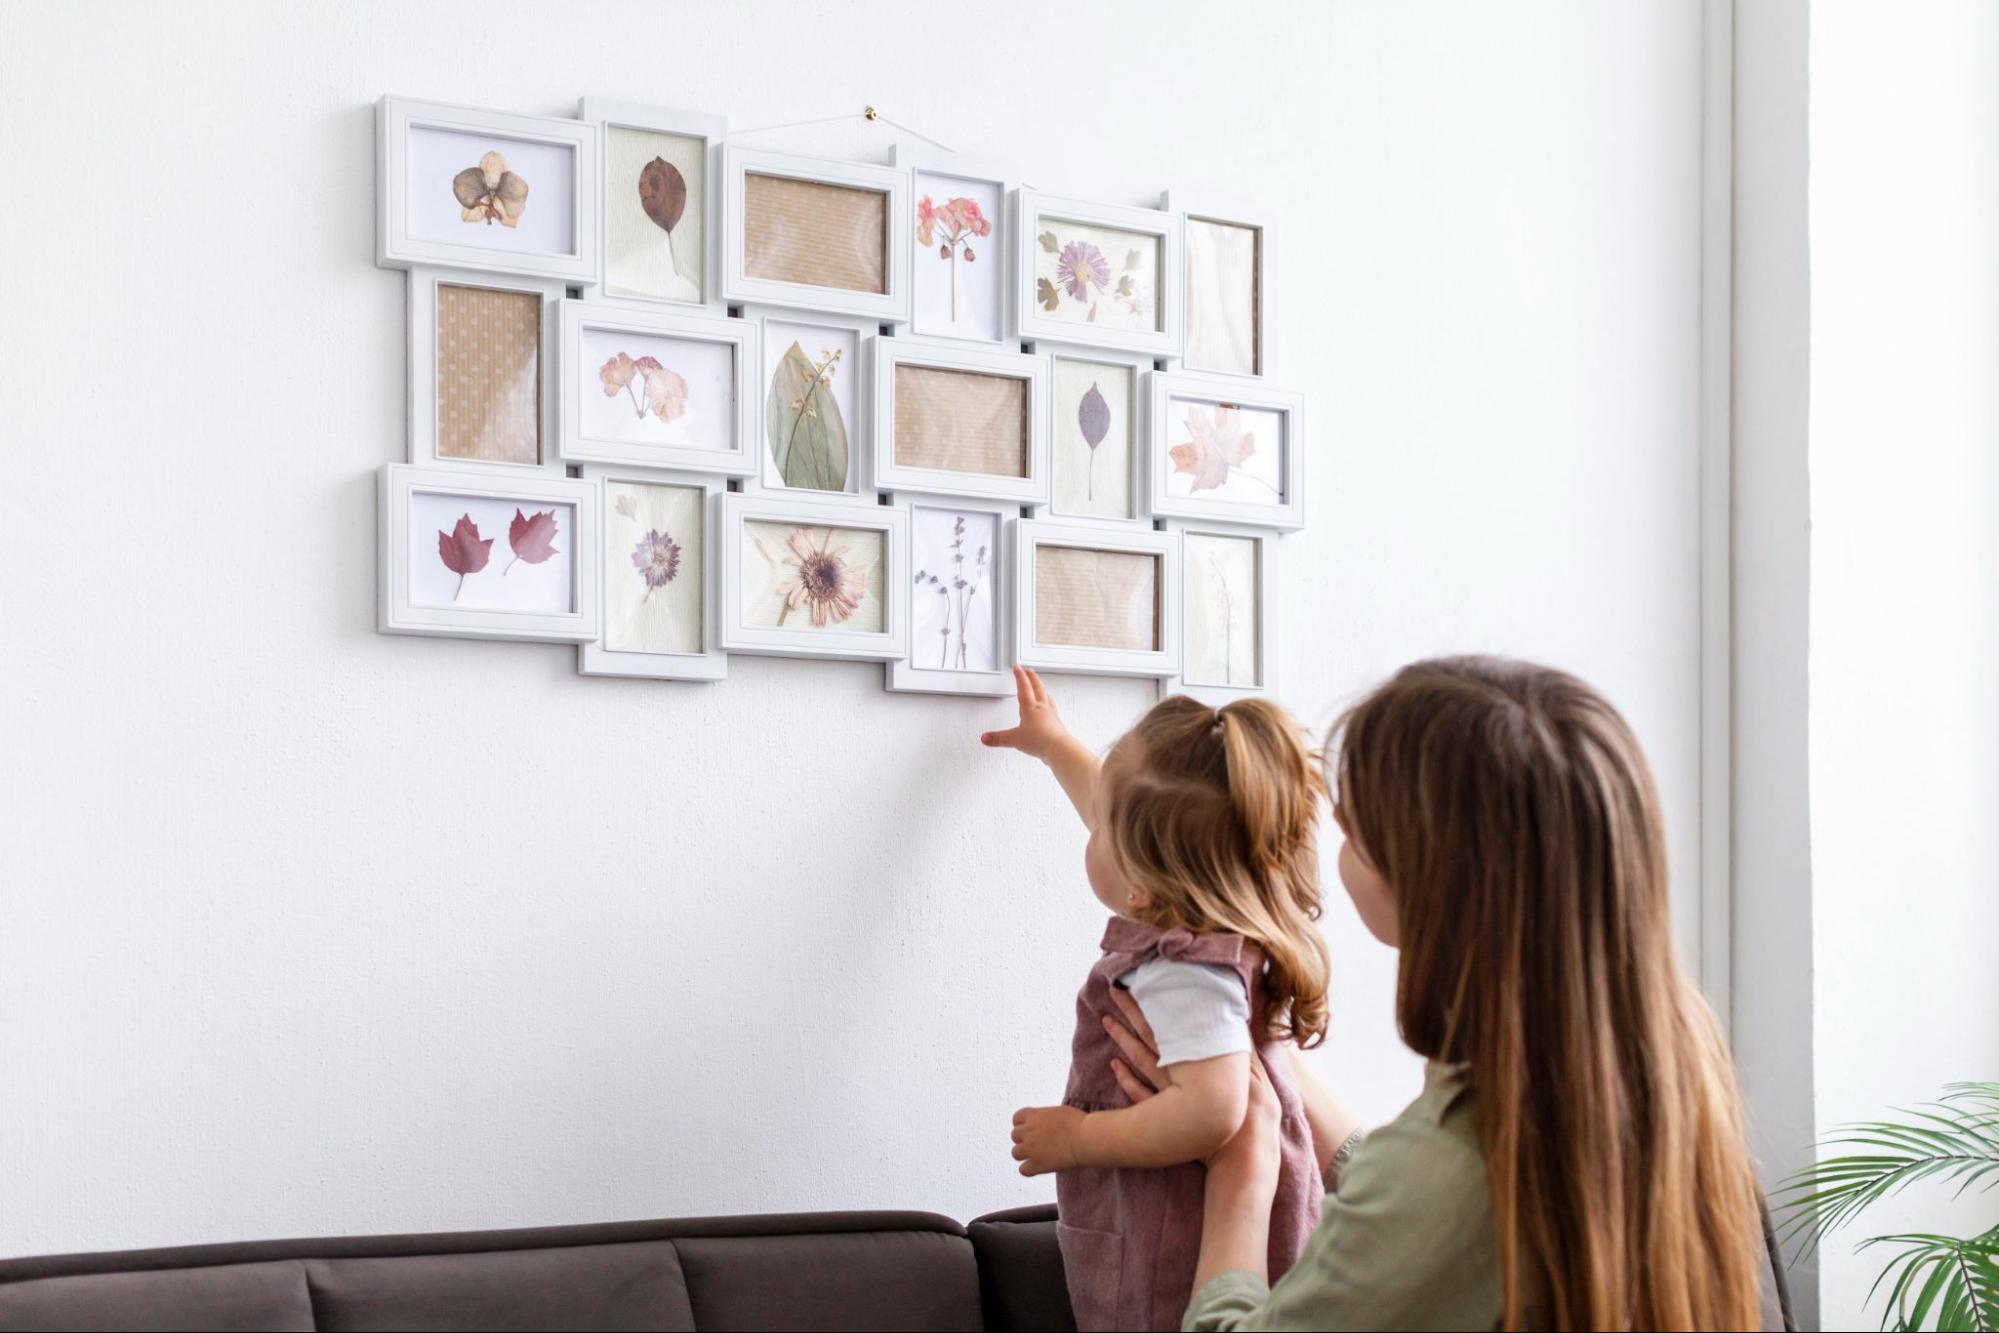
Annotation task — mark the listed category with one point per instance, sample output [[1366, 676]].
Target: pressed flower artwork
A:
[[1221, 610], [960, 421], [809, 404], [1094, 436], [1104, 276], [653, 567], [959, 262], [815, 233], [956, 619], [488, 349], [1089, 598], [473, 552], [644, 388], [1224, 292], [1224, 451], [517, 195], [812, 578], [655, 208]]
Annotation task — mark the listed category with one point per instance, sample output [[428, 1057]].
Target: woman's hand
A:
[[1044, 1138], [1040, 731], [1252, 1158], [1138, 1074]]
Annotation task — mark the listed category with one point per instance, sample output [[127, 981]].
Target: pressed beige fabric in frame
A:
[[960, 421], [811, 232], [488, 374], [1096, 599]]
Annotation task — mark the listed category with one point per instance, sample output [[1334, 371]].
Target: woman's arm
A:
[[1332, 1123], [1040, 733], [1200, 1107]]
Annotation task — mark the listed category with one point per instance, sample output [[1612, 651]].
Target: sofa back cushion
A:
[[222, 1297], [585, 1287]]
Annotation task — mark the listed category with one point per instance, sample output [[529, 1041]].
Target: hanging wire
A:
[[865, 113]]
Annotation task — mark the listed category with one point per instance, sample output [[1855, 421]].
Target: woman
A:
[[1576, 1158]]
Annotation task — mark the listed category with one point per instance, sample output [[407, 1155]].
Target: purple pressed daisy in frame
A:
[[1080, 267], [657, 559]]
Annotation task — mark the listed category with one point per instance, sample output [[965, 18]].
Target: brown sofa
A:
[[784, 1271]]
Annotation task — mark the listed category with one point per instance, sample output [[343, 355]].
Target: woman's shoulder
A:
[[1430, 1154]]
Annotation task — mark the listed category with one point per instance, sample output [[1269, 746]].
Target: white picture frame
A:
[[424, 280], [594, 657], [1193, 208], [1134, 365], [860, 332], [1262, 637], [408, 230], [582, 442], [1032, 536], [609, 114], [994, 181], [740, 287], [887, 355], [1033, 210], [400, 612], [1286, 510], [891, 641], [915, 673]]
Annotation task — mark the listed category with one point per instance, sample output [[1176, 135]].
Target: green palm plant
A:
[[1932, 1281]]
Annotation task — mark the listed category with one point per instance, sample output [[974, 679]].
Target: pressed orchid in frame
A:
[[821, 579], [657, 559], [490, 193], [665, 391], [950, 228], [1222, 443], [958, 592]]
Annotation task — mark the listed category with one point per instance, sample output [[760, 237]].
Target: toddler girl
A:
[[1203, 827]]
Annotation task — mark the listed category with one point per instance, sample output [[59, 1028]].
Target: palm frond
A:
[[1940, 1281], [1954, 1140]]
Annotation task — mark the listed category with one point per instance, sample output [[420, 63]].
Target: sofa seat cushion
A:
[[838, 1280], [630, 1286], [224, 1298], [1020, 1270]]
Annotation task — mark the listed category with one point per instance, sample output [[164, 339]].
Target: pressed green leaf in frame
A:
[[806, 434]]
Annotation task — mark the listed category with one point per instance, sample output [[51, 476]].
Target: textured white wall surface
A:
[[307, 930], [1905, 583]]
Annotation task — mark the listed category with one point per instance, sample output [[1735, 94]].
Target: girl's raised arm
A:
[[1040, 733]]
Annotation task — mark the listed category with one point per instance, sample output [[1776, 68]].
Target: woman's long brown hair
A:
[[1511, 811], [1215, 812]]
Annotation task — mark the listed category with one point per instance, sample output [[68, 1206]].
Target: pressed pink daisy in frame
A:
[[819, 579], [1080, 267]]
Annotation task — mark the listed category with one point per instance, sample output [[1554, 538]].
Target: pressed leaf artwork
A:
[[1090, 598], [654, 207], [815, 233], [812, 578], [804, 427], [532, 538], [1220, 610], [490, 193], [957, 618], [463, 551], [960, 421], [488, 345], [654, 389], [1093, 437], [653, 563], [461, 573], [1226, 452], [1224, 293], [1097, 275]]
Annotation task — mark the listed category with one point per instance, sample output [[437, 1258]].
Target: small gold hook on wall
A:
[[869, 113]]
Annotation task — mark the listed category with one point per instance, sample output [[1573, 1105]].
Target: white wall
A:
[[1904, 579], [787, 942]]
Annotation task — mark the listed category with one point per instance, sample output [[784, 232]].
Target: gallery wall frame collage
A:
[[672, 398]]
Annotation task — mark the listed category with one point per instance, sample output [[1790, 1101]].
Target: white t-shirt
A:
[[1197, 1010]]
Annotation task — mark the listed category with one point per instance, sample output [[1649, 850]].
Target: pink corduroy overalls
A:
[[1131, 1236]]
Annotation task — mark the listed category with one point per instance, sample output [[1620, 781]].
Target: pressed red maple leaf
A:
[[533, 539], [1221, 443], [462, 551]]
